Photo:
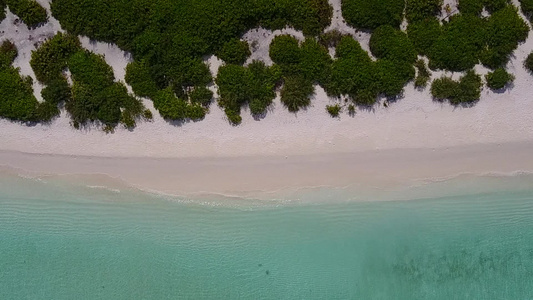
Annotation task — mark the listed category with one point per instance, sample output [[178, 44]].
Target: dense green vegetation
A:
[[29, 11], [234, 51], [499, 79], [527, 8], [467, 39], [419, 10], [355, 75], [253, 85], [464, 92], [423, 75], [18, 102], [370, 14], [168, 39], [94, 96], [392, 44]]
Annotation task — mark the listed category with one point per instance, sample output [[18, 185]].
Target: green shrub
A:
[[423, 76], [334, 110], [423, 34], [498, 79], [202, 96], [527, 8], [170, 38], [392, 76], [57, 91], [17, 102], [495, 5], [195, 112], [351, 110], [348, 48], [330, 39], [315, 61], [147, 115], [51, 58], [96, 97], [392, 44], [8, 53], [29, 11], [234, 117], [46, 111], [528, 63], [296, 92], [459, 46], [2, 10], [504, 30], [91, 69], [419, 10], [352, 73], [169, 106], [234, 51], [465, 92], [253, 85], [471, 7], [285, 51], [370, 14], [139, 78]]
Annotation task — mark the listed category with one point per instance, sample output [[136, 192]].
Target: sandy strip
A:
[[261, 177]]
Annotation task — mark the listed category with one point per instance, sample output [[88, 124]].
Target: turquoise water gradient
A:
[[65, 242]]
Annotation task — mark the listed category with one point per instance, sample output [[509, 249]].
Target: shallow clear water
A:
[[71, 242]]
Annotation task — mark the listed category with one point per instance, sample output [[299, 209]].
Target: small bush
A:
[[465, 92], [459, 45], [528, 63], [29, 11], [470, 7], [423, 76], [57, 91], [498, 79], [351, 110], [296, 92], [253, 85], [527, 8], [169, 106], [423, 34], [493, 6], [315, 62], [330, 39], [504, 30], [419, 10], [334, 110], [392, 44], [370, 14], [392, 76], [17, 102], [202, 96], [51, 58], [285, 51], [139, 78], [147, 115], [8, 53], [234, 52]]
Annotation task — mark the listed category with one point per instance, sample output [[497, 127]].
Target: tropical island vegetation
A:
[[169, 41]]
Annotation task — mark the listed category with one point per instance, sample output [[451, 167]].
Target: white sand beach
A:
[[413, 138]]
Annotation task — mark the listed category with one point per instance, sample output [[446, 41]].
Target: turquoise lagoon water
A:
[[60, 241]]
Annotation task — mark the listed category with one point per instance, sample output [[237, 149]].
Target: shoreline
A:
[[379, 174]]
